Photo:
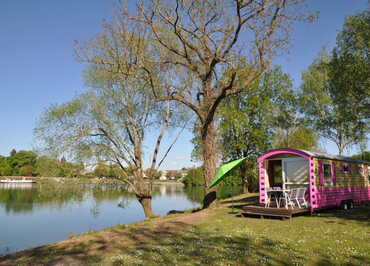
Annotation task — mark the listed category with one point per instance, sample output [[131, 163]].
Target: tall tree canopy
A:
[[336, 87]]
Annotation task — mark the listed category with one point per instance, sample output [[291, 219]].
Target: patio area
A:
[[262, 211]]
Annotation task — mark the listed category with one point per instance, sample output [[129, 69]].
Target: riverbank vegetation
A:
[[29, 163], [217, 237]]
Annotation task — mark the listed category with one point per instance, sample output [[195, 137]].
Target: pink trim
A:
[[321, 173], [312, 186], [335, 196], [280, 151], [262, 184]]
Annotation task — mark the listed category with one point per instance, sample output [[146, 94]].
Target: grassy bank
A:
[[217, 237]]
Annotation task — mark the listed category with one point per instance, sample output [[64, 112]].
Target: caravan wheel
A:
[[347, 204]]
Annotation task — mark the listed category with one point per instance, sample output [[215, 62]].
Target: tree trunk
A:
[[340, 148], [243, 173], [143, 192], [209, 150], [245, 188], [146, 203]]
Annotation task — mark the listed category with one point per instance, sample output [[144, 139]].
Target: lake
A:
[[36, 214]]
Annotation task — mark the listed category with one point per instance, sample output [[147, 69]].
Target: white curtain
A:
[[296, 170]]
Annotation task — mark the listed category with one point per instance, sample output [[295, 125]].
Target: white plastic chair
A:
[[289, 198], [270, 197], [300, 199]]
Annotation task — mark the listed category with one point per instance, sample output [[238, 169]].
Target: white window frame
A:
[[284, 171], [283, 174]]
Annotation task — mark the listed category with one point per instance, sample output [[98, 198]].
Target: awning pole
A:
[[283, 172]]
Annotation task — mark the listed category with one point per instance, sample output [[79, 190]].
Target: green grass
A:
[[334, 237]]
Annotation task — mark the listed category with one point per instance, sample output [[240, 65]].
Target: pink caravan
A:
[[327, 180]]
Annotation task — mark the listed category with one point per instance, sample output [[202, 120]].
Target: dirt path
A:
[[94, 247]]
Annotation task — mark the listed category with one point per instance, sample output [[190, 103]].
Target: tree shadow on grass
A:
[[360, 214], [248, 200], [168, 244]]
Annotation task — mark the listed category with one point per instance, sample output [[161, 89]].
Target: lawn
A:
[[218, 237]]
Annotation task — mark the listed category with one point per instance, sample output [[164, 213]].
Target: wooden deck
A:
[[262, 211]]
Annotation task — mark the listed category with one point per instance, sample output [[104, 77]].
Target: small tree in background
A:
[[153, 173], [171, 173], [178, 176], [365, 155], [46, 166], [194, 177], [20, 160], [27, 170], [5, 168], [13, 152]]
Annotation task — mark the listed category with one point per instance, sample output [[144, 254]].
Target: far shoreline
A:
[[85, 180]]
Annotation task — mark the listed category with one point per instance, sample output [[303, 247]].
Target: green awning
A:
[[224, 169]]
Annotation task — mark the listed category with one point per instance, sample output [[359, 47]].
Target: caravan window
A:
[[346, 168], [295, 171], [327, 174]]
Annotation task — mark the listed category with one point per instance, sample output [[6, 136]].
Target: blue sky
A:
[[38, 67]]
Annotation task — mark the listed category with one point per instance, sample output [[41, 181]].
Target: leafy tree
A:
[[27, 170], [46, 166], [5, 168], [171, 173], [301, 138], [198, 45], [21, 159], [335, 89], [102, 170], [68, 169], [153, 173], [194, 177], [178, 175], [249, 121], [331, 116], [363, 156], [350, 66], [13, 152]]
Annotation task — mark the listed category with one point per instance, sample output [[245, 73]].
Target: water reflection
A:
[[15, 185], [21, 198], [35, 214]]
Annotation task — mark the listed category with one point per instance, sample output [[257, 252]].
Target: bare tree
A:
[[110, 122], [208, 51]]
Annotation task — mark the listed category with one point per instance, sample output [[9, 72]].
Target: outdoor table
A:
[[278, 194]]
